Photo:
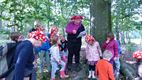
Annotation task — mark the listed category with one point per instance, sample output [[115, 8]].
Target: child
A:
[[104, 69], [138, 56], [24, 56], [56, 59], [93, 54], [63, 48]]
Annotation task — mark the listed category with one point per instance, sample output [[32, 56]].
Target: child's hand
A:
[[74, 31], [115, 58]]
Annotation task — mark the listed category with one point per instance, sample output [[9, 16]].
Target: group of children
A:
[[98, 68], [56, 50], [58, 53]]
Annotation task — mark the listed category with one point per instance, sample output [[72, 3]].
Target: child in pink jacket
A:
[[93, 53]]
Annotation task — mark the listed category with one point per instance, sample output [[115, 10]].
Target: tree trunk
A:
[[101, 12], [117, 30]]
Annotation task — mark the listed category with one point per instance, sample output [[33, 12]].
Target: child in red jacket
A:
[[104, 70]]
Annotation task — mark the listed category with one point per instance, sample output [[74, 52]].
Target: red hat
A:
[[137, 55], [38, 35], [89, 38], [76, 17]]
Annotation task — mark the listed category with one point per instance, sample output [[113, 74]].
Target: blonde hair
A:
[[54, 40]]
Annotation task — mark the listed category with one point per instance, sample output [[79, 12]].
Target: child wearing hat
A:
[[24, 56], [93, 54], [56, 59], [104, 69]]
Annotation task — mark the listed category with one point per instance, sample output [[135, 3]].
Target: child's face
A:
[[91, 42]]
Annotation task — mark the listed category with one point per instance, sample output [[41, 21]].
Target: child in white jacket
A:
[[93, 54], [56, 59]]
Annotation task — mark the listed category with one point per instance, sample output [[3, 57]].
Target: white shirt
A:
[[55, 54]]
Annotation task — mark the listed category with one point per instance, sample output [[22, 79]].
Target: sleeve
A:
[[86, 51], [115, 49], [99, 49], [3, 50], [45, 46], [22, 59], [110, 73]]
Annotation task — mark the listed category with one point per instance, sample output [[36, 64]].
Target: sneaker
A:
[[62, 74], [66, 76], [93, 75]]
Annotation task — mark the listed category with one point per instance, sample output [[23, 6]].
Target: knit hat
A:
[[107, 54], [89, 38], [38, 35], [76, 17], [137, 55]]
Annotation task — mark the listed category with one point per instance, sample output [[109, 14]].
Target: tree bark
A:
[[101, 12]]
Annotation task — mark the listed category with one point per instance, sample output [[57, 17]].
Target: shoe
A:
[[62, 74], [93, 75], [66, 76], [89, 76]]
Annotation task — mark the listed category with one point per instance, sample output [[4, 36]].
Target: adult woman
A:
[[75, 30], [24, 55], [111, 45]]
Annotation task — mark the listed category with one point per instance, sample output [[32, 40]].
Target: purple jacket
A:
[[111, 46]]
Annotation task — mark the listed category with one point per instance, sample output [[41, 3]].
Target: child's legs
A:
[[41, 57], [53, 69], [48, 60], [64, 58], [63, 66], [66, 53], [91, 68], [117, 65]]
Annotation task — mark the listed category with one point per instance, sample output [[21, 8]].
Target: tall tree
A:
[[101, 13]]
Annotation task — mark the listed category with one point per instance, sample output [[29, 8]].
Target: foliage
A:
[[123, 14], [20, 14]]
